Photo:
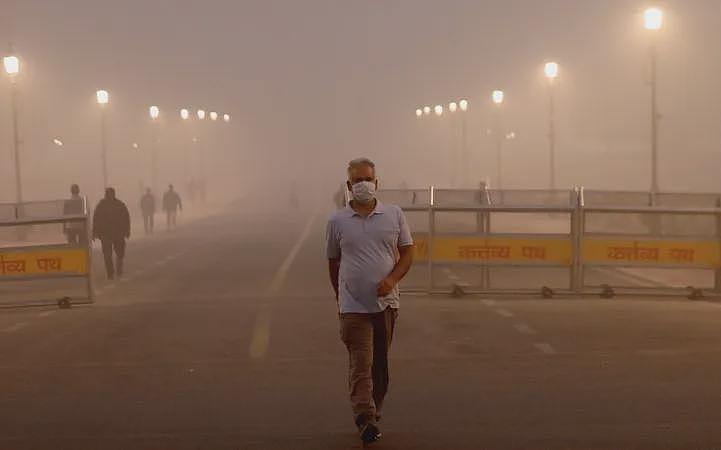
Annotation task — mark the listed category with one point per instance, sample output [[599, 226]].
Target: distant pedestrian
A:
[[75, 232], [147, 208], [171, 205], [111, 224], [370, 249]]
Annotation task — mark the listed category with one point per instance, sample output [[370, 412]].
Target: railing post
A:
[[577, 231], [485, 230], [431, 233], [717, 272]]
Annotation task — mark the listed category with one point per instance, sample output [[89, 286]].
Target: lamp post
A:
[[498, 97], [463, 108], [154, 112], [551, 72], [185, 116], [103, 98], [452, 108], [199, 141], [653, 21], [12, 68]]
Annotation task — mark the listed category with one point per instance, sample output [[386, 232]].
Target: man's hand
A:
[[386, 286]]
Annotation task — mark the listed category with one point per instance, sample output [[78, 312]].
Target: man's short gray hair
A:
[[360, 162]]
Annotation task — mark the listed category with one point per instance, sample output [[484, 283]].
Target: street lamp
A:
[[438, 109], [12, 68], [226, 118], [452, 107], [213, 116], [463, 104], [12, 65], [184, 114], [201, 114], [653, 21], [498, 97], [58, 142], [103, 98], [551, 70], [419, 112], [426, 110], [154, 112]]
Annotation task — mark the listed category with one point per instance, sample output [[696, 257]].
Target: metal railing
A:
[[470, 235]]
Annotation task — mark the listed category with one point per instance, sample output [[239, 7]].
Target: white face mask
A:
[[364, 191]]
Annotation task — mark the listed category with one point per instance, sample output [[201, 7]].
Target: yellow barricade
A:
[[19, 263], [652, 252], [496, 249]]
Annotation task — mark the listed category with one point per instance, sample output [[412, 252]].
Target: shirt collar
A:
[[377, 210]]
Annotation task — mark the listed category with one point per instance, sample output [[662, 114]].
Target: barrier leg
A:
[[717, 272]]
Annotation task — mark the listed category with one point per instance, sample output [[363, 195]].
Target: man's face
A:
[[361, 173]]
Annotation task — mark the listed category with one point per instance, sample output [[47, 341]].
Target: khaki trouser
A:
[[368, 338]]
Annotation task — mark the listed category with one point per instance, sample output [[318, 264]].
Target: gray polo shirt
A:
[[368, 251]]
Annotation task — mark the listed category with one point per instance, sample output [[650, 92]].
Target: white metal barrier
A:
[[46, 241], [472, 235]]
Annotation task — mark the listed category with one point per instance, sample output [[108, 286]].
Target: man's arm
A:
[[126, 221], [399, 270], [333, 269], [95, 225], [333, 253], [405, 251]]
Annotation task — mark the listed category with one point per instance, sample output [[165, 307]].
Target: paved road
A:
[[223, 336]]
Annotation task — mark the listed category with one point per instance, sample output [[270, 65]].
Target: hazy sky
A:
[[318, 82]]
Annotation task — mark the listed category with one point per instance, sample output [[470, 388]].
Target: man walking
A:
[[370, 249], [75, 232], [171, 204], [111, 224], [147, 207]]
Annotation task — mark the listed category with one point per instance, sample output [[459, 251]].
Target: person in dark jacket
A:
[[147, 207], [111, 224], [171, 204], [75, 206]]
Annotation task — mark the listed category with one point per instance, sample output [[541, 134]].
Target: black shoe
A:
[[370, 433]]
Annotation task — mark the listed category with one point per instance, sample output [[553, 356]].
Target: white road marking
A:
[[261, 330], [46, 313], [545, 347], [13, 328], [524, 329], [488, 303], [454, 277], [504, 313]]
